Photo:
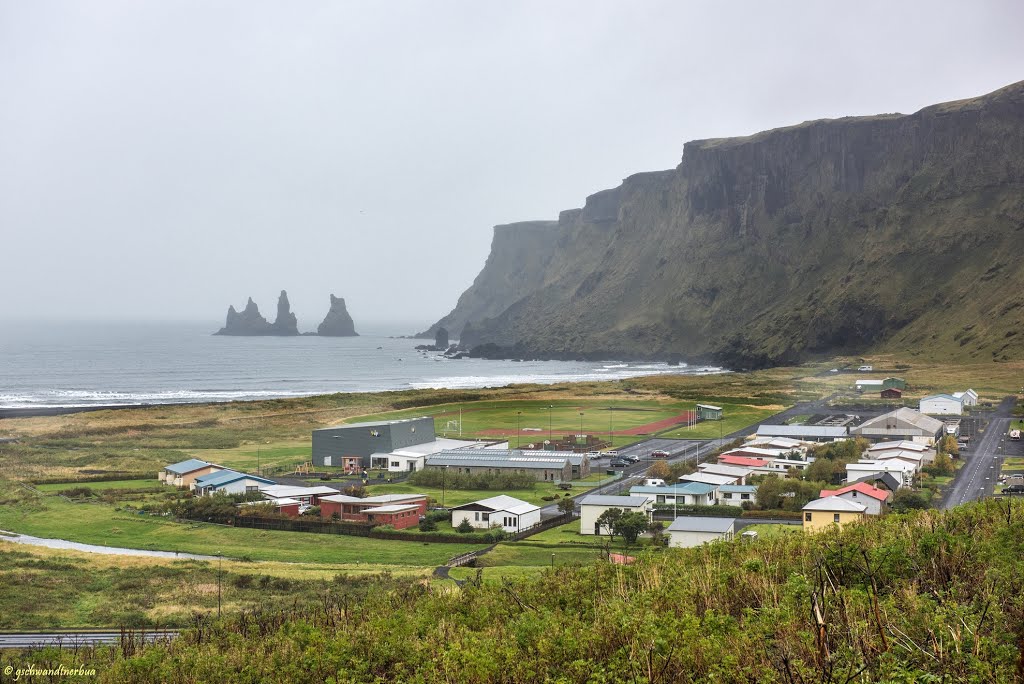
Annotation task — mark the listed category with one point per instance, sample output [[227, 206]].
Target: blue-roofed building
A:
[[229, 482], [683, 494], [183, 474], [735, 495]]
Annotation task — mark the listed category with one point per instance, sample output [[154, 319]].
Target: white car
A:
[[866, 369], [611, 453], [593, 455]]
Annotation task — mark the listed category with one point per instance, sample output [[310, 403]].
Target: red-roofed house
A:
[[873, 498], [742, 461]]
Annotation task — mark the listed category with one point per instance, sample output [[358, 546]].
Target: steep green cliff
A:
[[886, 232]]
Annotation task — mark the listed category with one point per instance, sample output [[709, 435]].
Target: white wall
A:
[[874, 506], [941, 406], [682, 540], [239, 486], [483, 520], [590, 513]]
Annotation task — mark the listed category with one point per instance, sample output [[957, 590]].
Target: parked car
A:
[[619, 463], [611, 453], [632, 458], [866, 369], [593, 455], [1013, 489], [659, 454]]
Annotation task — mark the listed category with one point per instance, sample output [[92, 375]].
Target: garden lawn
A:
[[96, 523]]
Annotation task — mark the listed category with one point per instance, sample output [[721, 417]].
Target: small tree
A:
[[657, 530], [609, 519], [427, 525], [566, 506], [630, 525], [943, 464], [464, 527], [659, 470], [312, 512]]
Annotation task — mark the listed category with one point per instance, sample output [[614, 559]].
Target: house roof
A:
[[835, 504], [500, 458], [870, 382], [709, 406], [904, 454], [718, 469], [707, 478], [690, 488], [619, 501], [436, 446], [903, 444], [277, 491], [775, 442], [880, 466], [862, 487], [916, 419], [382, 499], [395, 508], [189, 466], [815, 431], [738, 489], [225, 477], [701, 523], [888, 479], [743, 461], [502, 503]]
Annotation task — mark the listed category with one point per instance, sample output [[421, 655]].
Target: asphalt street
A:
[[982, 461], [72, 639]]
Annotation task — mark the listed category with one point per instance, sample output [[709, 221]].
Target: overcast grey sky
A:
[[166, 159]]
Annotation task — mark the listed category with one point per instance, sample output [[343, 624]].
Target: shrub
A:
[[440, 477], [356, 490], [427, 525], [77, 492], [464, 527]]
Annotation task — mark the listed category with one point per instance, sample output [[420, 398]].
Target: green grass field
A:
[[735, 417], [102, 485], [97, 523], [456, 497]]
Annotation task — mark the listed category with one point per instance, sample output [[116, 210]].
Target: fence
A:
[[541, 526]]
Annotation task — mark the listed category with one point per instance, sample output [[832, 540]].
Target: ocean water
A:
[[67, 364]]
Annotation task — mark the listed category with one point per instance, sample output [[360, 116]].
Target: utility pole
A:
[[220, 566], [549, 421], [518, 431], [444, 474]]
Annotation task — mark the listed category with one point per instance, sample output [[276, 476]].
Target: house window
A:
[[835, 517], [745, 497], [807, 516], [477, 516], [728, 495], [395, 464], [249, 489], [854, 493]]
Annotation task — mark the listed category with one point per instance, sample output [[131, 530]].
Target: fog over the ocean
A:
[[166, 159]]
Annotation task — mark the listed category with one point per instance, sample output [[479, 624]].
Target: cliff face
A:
[[519, 254], [338, 322], [887, 232]]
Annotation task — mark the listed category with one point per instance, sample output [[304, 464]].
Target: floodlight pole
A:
[[550, 438], [443, 478], [518, 431], [220, 566]]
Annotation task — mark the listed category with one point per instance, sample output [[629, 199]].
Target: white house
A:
[[875, 385], [683, 494], [967, 397], [694, 530], [708, 478], [941, 405], [735, 495], [872, 498], [914, 458], [308, 496], [229, 482], [592, 506], [509, 513], [727, 470], [900, 469], [901, 424]]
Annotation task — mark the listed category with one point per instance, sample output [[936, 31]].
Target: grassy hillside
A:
[[925, 597]]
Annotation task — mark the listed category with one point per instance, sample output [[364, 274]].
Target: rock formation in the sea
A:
[[441, 338], [251, 323], [337, 322]]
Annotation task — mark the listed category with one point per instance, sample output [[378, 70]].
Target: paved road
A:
[[71, 639], [977, 477]]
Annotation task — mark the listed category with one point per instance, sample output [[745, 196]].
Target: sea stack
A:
[[251, 323], [441, 338], [337, 322], [286, 323]]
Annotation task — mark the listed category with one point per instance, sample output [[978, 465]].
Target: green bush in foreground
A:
[[927, 596]]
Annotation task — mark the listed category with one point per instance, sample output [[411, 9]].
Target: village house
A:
[[821, 514], [899, 469], [873, 499], [399, 510], [728, 470], [694, 530], [736, 495], [510, 514], [592, 506], [875, 451], [307, 496], [684, 494], [183, 474], [229, 482], [967, 397], [285, 506], [707, 478]]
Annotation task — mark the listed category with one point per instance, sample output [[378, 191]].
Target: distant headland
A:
[[251, 323]]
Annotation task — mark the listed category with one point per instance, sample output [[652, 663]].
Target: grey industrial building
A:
[[350, 446], [542, 466], [903, 423]]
